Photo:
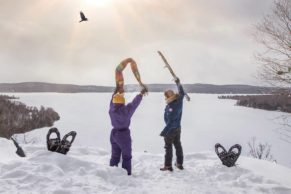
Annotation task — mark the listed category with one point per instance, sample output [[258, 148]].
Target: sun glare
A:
[[98, 2]]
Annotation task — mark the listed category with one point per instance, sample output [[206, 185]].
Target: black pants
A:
[[173, 138]]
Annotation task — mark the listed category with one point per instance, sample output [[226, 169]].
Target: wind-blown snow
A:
[[86, 170]]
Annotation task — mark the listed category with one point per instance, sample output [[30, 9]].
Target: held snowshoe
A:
[[53, 143], [228, 158], [65, 144]]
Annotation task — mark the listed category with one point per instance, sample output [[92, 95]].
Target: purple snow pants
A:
[[121, 145]]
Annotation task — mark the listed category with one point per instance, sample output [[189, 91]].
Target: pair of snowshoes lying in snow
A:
[[58, 145], [228, 158]]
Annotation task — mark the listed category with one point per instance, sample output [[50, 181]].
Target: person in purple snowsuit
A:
[[120, 115]]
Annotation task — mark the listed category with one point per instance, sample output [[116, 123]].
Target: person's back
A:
[[120, 114], [120, 139]]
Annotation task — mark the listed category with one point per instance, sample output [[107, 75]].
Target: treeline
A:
[[281, 102], [16, 117]]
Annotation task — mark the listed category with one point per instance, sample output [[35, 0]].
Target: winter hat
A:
[[118, 98], [170, 96]]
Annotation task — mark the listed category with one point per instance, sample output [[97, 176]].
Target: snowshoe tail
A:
[[19, 150]]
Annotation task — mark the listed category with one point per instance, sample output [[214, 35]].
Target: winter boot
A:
[[179, 166], [165, 168]]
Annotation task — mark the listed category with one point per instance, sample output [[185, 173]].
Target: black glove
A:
[[162, 134], [177, 80], [144, 90]]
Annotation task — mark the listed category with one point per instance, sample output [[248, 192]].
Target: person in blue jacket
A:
[[172, 130]]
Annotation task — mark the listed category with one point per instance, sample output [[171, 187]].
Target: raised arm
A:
[[132, 106], [180, 88]]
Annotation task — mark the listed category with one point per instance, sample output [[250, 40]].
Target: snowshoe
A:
[[65, 144], [19, 150], [228, 158], [54, 143]]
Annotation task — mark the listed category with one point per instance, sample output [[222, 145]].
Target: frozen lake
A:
[[206, 121]]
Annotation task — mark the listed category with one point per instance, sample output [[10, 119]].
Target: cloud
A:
[[206, 40]]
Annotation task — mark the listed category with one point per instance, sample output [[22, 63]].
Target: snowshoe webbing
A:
[[53, 143], [228, 158], [66, 144]]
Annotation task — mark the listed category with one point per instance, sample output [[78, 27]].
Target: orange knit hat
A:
[[118, 98]]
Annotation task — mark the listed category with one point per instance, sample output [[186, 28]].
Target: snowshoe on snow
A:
[[53, 144], [228, 158], [19, 150], [58, 145], [66, 144]]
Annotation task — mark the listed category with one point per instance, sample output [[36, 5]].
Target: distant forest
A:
[[280, 102], [16, 117]]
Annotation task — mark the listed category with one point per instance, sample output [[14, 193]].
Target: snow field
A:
[[86, 170]]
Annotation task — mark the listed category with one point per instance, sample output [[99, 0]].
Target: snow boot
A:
[[179, 166], [165, 168]]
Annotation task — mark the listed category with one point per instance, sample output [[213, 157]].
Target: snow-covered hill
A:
[[86, 170]]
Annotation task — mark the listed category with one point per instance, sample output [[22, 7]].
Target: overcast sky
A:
[[205, 41]]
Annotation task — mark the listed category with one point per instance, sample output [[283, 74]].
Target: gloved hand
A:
[[177, 80], [144, 90], [162, 134]]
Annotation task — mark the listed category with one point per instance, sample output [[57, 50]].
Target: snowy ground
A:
[[86, 171]]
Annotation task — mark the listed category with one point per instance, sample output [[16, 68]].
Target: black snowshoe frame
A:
[[58, 145], [228, 158]]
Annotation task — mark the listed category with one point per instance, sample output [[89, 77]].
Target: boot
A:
[[179, 166], [165, 168]]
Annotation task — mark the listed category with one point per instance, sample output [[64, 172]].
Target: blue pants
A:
[[121, 146]]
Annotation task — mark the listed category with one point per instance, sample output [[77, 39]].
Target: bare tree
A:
[[274, 34], [260, 151]]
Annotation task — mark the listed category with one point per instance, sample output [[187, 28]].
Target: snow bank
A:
[[7, 151], [86, 170]]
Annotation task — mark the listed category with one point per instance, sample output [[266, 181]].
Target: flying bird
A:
[[83, 18]]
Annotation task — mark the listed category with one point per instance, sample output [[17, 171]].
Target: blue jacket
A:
[[173, 113]]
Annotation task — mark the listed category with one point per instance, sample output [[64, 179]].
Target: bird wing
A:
[[82, 16]]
